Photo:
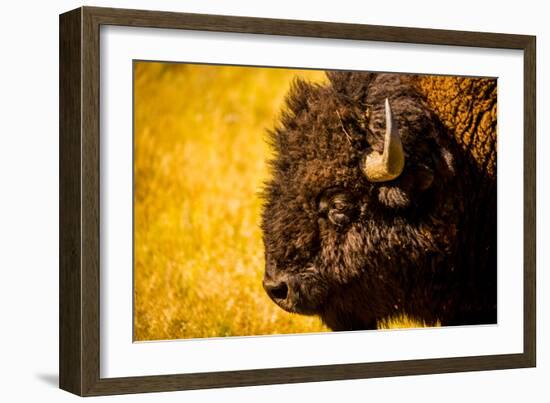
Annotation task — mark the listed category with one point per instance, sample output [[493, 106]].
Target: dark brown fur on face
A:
[[355, 252]]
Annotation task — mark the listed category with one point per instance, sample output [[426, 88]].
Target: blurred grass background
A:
[[200, 151]]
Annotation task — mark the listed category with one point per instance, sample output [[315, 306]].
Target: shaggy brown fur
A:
[[468, 109], [355, 252]]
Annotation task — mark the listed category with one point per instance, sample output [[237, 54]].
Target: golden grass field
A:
[[200, 161]]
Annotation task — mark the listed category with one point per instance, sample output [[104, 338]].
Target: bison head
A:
[[360, 204]]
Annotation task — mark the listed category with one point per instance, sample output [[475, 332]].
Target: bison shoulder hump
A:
[[468, 109]]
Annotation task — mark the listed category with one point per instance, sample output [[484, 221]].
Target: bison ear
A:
[[394, 197], [411, 184]]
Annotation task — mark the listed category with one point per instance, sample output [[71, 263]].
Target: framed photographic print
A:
[[249, 201]]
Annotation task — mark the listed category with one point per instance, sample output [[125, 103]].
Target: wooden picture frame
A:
[[79, 346]]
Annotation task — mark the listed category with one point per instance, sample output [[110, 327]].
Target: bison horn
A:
[[388, 165]]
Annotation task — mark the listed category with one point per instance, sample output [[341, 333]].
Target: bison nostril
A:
[[277, 290]]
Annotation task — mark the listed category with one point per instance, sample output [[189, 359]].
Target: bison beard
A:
[[356, 243]]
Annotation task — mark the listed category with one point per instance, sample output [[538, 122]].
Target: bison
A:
[[382, 200]]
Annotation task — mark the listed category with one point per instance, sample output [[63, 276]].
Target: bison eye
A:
[[338, 208]]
